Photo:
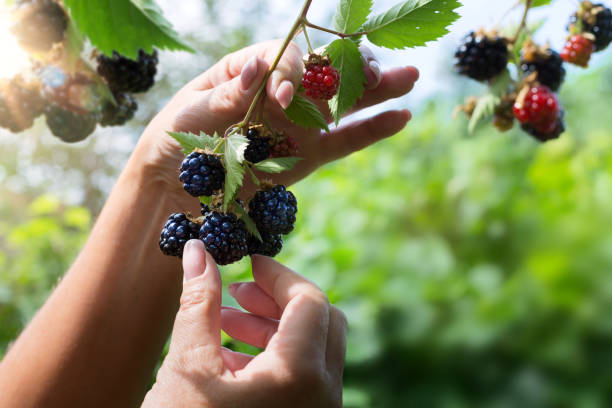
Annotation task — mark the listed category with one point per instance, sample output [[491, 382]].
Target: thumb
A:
[[198, 322]]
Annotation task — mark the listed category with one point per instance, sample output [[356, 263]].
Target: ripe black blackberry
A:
[[274, 210], [126, 75], [270, 246], [595, 19], [202, 174], [204, 209], [481, 56], [225, 237], [20, 103], [177, 231], [546, 63], [39, 24], [257, 150], [121, 113], [68, 125]]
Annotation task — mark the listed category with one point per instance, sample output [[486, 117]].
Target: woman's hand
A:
[[302, 334], [221, 97]]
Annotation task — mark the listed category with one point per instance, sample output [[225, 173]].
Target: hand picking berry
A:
[[321, 80], [202, 174]]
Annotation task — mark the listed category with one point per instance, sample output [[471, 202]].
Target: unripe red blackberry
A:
[[127, 75], [595, 19], [578, 50], [39, 24], [284, 146], [545, 62], [225, 237], [481, 56], [321, 80], [538, 110], [20, 104]]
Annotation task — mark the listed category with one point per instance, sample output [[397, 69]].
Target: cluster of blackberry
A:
[[272, 209], [71, 102], [531, 100]]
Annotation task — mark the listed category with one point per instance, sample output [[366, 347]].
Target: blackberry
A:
[[225, 237], [538, 108], [177, 231], [271, 246], [321, 80], [204, 209], [70, 126], [284, 146], [252, 133], [546, 136], [202, 174], [257, 150], [546, 63], [595, 19], [121, 113], [578, 50], [39, 24], [20, 104], [126, 75], [274, 210], [481, 57]]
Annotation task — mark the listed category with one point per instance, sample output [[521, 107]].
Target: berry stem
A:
[[310, 50], [296, 25], [523, 23], [253, 176], [338, 33]]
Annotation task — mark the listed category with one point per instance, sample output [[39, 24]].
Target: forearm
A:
[[96, 340]]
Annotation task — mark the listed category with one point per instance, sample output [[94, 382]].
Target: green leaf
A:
[[205, 200], [484, 109], [248, 221], [412, 23], [346, 58], [124, 26], [351, 14], [190, 142], [233, 156], [277, 165], [499, 85], [304, 113], [539, 3]]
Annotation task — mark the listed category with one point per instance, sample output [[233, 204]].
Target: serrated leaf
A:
[[277, 165], [124, 26], [190, 142], [304, 113], [484, 108], [351, 14], [248, 221], [412, 23], [234, 147], [346, 58]]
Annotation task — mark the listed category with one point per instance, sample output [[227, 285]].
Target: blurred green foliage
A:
[[476, 271]]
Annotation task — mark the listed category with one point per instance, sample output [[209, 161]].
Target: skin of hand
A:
[[221, 96], [104, 326], [303, 337]]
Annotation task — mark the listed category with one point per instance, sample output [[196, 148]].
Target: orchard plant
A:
[[530, 96], [77, 88]]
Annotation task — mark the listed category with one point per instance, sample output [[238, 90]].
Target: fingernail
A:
[[191, 246], [375, 67], [233, 288], [284, 94], [248, 73]]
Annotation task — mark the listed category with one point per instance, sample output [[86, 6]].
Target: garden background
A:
[[475, 269]]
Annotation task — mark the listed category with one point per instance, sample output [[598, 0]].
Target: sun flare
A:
[[14, 59]]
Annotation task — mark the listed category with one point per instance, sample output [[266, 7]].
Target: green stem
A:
[[310, 50], [253, 176], [523, 23], [296, 25], [334, 32]]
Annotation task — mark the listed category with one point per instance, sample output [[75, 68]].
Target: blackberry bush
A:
[[178, 230], [225, 237], [202, 174]]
